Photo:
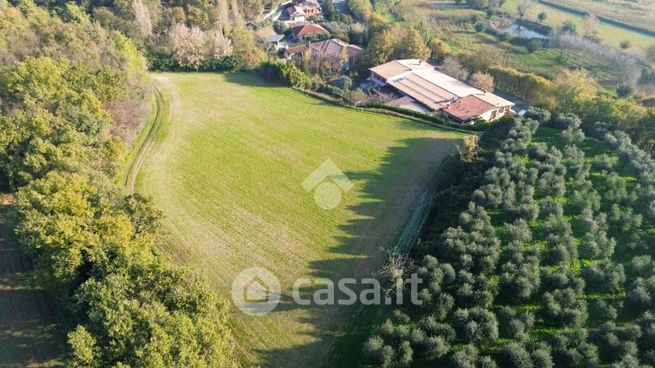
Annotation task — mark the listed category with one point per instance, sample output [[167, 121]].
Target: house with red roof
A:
[[308, 31], [418, 86], [341, 53]]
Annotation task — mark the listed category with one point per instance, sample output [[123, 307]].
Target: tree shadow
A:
[[29, 332], [390, 194], [387, 197]]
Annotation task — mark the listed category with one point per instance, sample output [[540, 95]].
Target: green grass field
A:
[[29, 335], [227, 172]]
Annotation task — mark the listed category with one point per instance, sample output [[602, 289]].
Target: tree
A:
[[624, 90], [454, 68], [188, 45], [330, 10], [625, 44], [381, 47], [514, 355], [522, 9], [533, 45], [482, 81], [438, 48], [569, 26], [243, 41], [590, 27], [542, 16], [468, 150], [413, 46], [142, 16], [574, 89], [478, 4]]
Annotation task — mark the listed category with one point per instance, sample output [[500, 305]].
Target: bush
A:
[[540, 115], [533, 45], [505, 36]]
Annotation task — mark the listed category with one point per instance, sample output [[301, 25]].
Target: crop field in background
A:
[[609, 34], [636, 13], [227, 172]]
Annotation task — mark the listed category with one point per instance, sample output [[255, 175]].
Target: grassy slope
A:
[[227, 172], [29, 335]]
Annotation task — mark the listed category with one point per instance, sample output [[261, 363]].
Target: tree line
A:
[[93, 247]]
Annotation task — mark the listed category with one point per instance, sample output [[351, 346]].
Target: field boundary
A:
[[146, 139], [383, 111]]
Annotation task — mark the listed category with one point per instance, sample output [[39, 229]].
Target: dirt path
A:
[[146, 140]]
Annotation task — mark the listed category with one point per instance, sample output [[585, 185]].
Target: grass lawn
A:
[[227, 172], [29, 336]]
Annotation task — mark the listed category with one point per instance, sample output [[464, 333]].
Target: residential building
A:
[[342, 53], [311, 8], [295, 13], [437, 92], [277, 41], [295, 52], [308, 31], [301, 11]]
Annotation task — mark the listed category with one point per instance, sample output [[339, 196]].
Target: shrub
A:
[[533, 45]]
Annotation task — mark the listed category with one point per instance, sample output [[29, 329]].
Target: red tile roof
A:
[[334, 48], [468, 108], [307, 29]]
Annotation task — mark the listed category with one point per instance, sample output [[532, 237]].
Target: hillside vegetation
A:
[[549, 265], [227, 173], [92, 247]]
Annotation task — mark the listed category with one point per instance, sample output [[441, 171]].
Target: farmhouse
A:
[[339, 52], [423, 88], [308, 31]]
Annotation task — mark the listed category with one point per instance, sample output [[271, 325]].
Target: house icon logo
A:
[[328, 183], [256, 291]]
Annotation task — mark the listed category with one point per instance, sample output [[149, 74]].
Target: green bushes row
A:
[[167, 63]]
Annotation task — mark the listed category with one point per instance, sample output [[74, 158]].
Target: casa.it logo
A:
[[328, 183], [256, 291]]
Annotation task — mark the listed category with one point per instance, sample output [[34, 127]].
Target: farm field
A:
[[227, 172], [452, 24], [29, 336], [609, 34], [637, 13]]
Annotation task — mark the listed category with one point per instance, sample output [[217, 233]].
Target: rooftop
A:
[[397, 67], [495, 100], [468, 108], [334, 48], [448, 83], [307, 29]]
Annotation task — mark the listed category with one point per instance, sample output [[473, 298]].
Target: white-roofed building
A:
[[437, 91]]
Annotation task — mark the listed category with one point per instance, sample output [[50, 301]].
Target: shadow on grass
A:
[[387, 197], [29, 334], [389, 194]]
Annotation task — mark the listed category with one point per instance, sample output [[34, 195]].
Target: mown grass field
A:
[[227, 172], [29, 335]]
